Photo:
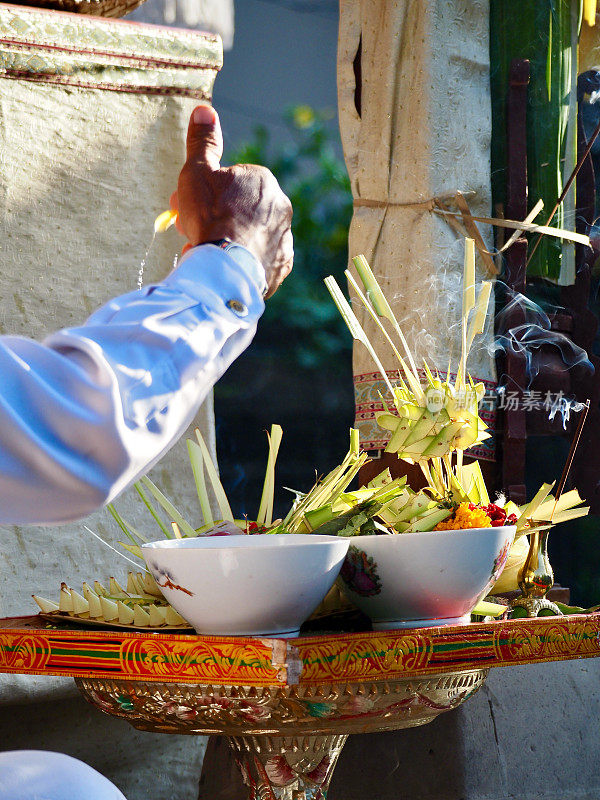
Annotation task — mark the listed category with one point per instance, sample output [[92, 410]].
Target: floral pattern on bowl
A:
[[359, 573]]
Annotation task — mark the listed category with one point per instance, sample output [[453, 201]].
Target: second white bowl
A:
[[413, 580]]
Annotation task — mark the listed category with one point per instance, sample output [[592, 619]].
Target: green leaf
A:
[[265, 511], [168, 506], [213, 477], [197, 462], [146, 500]]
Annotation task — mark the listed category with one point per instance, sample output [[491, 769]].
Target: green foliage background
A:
[[300, 318], [297, 372]]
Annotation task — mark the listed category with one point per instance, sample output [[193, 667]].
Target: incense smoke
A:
[[534, 331], [525, 339]]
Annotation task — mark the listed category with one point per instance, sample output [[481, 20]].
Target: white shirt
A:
[[86, 412]]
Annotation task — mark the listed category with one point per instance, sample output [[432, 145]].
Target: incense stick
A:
[[568, 185], [570, 457]]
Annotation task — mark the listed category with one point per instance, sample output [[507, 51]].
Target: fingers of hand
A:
[[174, 206], [205, 140], [282, 263]]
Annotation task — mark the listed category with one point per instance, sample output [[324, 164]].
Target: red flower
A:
[[497, 515], [253, 527]]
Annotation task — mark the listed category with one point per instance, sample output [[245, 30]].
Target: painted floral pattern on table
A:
[[359, 573]]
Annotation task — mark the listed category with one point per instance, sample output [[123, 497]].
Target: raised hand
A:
[[243, 203]]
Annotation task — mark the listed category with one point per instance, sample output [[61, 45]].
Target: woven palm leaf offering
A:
[[328, 508], [167, 594], [140, 605], [455, 541]]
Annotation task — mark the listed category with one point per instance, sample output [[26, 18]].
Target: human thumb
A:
[[204, 138]]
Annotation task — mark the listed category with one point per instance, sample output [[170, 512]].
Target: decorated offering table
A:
[[287, 706]]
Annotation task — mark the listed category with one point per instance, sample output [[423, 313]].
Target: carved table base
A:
[[286, 739], [287, 767]]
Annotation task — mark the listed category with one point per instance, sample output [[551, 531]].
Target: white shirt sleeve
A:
[[86, 412]]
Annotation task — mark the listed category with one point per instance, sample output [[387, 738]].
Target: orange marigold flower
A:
[[465, 516]]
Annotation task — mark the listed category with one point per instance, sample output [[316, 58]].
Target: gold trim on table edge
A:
[[313, 660]]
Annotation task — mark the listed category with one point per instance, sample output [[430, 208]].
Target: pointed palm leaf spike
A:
[[468, 298], [157, 615], [110, 610], [172, 617], [149, 584], [147, 502], [65, 602], [565, 501], [80, 604], [197, 462], [141, 618], [380, 304], [529, 511], [468, 303], [93, 600], [589, 11], [370, 308], [265, 511], [473, 477], [213, 477], [411, 377], [481, 309], [125, 614], [138, 582], [115, 588], [134, 549], [46, 606], [129, 531], [176, 530], [354, 326], [168, 506]]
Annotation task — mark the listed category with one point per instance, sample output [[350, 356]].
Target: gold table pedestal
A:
[[287, 767], [286, 739]]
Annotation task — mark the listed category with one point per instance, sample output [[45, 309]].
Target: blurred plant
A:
[[300, 319]]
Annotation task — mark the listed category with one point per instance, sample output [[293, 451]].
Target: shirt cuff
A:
[[242, 256]]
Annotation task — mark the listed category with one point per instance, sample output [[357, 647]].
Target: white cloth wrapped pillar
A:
[[423, 131], [93, 116]]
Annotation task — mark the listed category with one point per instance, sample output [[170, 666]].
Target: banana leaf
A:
[[350, 522]]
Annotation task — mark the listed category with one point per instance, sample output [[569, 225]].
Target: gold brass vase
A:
[[536, 578]]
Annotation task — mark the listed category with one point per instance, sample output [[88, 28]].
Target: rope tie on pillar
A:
[[463, 222]]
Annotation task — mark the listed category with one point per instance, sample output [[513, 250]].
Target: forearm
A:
[[85, 413]]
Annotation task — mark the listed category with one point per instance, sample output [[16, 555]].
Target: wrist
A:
[[245, 258], [223, 244], [236, 235]]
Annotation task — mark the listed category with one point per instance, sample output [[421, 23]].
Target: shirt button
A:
[[237, 307]]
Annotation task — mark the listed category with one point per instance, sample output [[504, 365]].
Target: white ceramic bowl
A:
[[413, 580], [259, 585]]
